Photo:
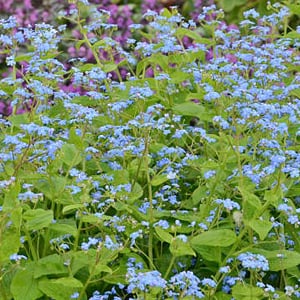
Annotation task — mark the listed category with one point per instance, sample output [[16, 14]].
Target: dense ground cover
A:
[[165, 168]]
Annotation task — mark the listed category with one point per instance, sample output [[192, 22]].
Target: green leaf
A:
[[189, 109], [282, 259], [99, 268], [70, 155], [261, 227], [295, 8], [24, 286], [229, 5], [245, 291], [37, 219], [222, 296], [199, 194], [210, 253], [293, 35], [163, 235], [179, 76], [181, 32], [180, 248], [214, 238], [85, 101], [61, 288], [50, 265], [11, 197], [16, 217], [87, 67], [279, 259], [79, 260], [273, 197], [52, 187], [23, 57], [17, 120], [109, 67], [159, 179], [251, 204], [135, 194], [72, 208], [9, 243], [62, 227]]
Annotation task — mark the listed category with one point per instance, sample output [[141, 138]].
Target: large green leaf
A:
[[70, 155], [210, 253], [189, 109], [24, 286], [245, 291], [229, 5], [136, 193], [62, 227], [281, 259], [50, 265], [159, 179], [52, 187], [262, 227], [37, 219], [214, 238], [181, 248], [163, 235], [9, 243], [61, 288], [251, 204]]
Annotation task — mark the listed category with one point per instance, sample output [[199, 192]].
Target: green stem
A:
[[88, 281], [75, 246], [170, 267], [151, 209], [2, 292], [30, 244]]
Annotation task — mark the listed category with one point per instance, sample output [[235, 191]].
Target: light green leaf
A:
[[214, 238], [245, 291], [189, 109], [72, 208], [70, 155], [229, 5], [163, 235], [61, 288], [50, 265], [181, 32], [135, 194], [210, 253], [251, 204], [180, 248], [159, 179], [261, 227], [99, 268], [24, 286], [282, 259], [109, 67], [9, 243], [61, 227], [37, 219]]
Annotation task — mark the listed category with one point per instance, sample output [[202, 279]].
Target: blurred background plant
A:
[[33, 11], [124, 13]]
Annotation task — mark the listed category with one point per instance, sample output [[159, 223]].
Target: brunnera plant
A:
[[180, 181]]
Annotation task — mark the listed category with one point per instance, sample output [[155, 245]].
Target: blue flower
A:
[[208, 282], [162, 223], [253, 261], [186, 283], [17, 257], [228, 204], [144, 281]]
